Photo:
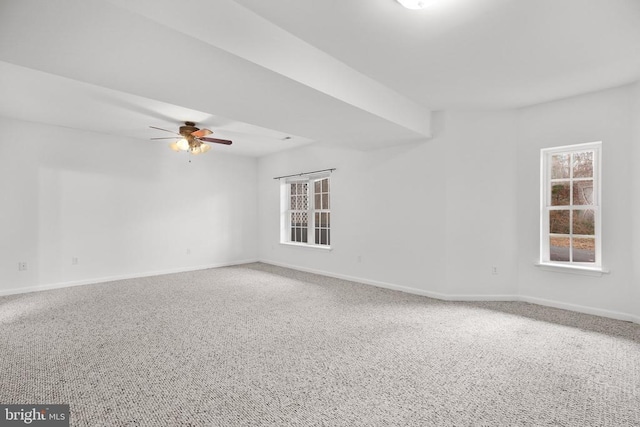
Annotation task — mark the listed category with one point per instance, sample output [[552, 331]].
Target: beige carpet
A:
[[258, 345]]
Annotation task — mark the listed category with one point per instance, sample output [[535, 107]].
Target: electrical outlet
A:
[[74, 261], [22, 266]]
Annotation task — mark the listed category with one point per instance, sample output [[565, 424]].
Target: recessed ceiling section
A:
[[45, 98]]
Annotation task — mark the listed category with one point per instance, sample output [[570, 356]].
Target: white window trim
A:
[[285, 226], [307, 245], [572, 269], [545, 179]]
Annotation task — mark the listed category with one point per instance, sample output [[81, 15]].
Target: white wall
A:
[[432, 217], [380, 214], [603, 116], [481, 208], [123, 207], [635, 159]]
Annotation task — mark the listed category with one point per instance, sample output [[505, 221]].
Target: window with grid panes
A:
[[570, 223], [307, 215]]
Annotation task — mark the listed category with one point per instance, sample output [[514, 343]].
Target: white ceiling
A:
[[361, 73], [474, 53]]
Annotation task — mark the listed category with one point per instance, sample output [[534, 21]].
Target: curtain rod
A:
[[304, 173]]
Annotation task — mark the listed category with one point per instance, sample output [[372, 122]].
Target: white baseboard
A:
[[407, 289], [105, 279], [466, 297], [581, 308]]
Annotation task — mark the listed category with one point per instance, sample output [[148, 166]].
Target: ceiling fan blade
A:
[[170, 131], [217, 141], [200, 133], [169, 137]]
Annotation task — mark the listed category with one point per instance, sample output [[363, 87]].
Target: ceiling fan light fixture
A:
[[174, 146], [183, 144], [413, 4], [204, 148]]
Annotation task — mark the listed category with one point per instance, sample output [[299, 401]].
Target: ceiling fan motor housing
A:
[[188, 129]]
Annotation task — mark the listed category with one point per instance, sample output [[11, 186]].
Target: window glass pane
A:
[[303, 235], [559, 248], [559, 222], [328, 237], [294, 189], [323, 237], [583, 192], [584, 250], [584, 222], [325, 201], [317, 219], [324, 222], [583, 164], [317, 236], [298, 219], [560, 166], [328, 219], [318, 201], [301, 190], [560, 193], [299, 202], [325, 185], [317, 187]]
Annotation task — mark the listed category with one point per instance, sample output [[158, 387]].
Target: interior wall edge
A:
[[59, 285]]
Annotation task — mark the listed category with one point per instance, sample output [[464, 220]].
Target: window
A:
[[306, 211], [570, 222]]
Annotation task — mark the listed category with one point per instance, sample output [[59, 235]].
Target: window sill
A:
[[572, 269], [305, 245]]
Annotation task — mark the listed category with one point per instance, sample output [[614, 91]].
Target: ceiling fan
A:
[[192, 139]]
